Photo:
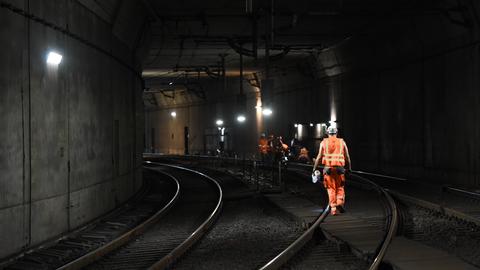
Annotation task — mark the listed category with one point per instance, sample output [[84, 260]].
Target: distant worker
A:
[[263, 147], [333, 153], [303, 156]]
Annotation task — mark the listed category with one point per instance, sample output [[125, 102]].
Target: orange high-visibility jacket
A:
[[333, 153], [263, 146]]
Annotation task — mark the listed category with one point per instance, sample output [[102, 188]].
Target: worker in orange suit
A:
[[263, 147], [303, 156], [333, 154]]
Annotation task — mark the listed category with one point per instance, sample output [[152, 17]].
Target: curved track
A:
[[376, 216], [195, 211], [249, 232], [432, 222], [313, 251], [87, 244]]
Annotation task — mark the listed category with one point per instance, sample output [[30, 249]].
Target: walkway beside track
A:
[[363, 237], [361, 227], [302, 209]]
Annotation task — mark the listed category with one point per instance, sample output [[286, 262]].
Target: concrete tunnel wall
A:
[[409, 96], [71, 136], [405, 94]]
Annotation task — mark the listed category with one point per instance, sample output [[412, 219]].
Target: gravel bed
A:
[[247, 235], [440, 231]]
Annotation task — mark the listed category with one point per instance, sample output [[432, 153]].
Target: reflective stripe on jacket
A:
[[333, 152]]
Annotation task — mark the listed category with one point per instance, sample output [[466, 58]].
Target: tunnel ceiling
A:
[[190, 37]]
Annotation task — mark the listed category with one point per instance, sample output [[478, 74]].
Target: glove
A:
[[315, 176]]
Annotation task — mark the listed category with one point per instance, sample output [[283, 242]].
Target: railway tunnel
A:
[[90, 90]]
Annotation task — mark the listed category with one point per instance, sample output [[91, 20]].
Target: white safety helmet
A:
[[332, 130], [316, 176]]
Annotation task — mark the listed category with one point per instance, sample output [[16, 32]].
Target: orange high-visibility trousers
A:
[[335, 183]]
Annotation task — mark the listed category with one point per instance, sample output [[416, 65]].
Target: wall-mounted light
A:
[[311, 124], [54, 58], [295, 125], [241, 118], [173, 114], [219, 122], [267, 111], [170, 83]]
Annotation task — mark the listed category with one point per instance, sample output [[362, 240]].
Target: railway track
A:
[[155, 229], [319, 249], [189, 219], [462, 201], [250, 230], [303, 252], [151, 231], [439, 222], [442, 228], [88, 243], [447, 231]]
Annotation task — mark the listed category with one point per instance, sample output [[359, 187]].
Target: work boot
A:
[[340, 209]]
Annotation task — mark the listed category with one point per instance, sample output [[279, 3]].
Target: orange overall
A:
[[333, 158], [263, 146]]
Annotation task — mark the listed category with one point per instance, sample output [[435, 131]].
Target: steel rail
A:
[[471, 194], [381, 175], [356, 172], [300, 242], [435, 207], [98, 253], [297, 245], [176, 253], [392, 229], [84, 227], [151, 155], [391, 204], [291, 251]]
